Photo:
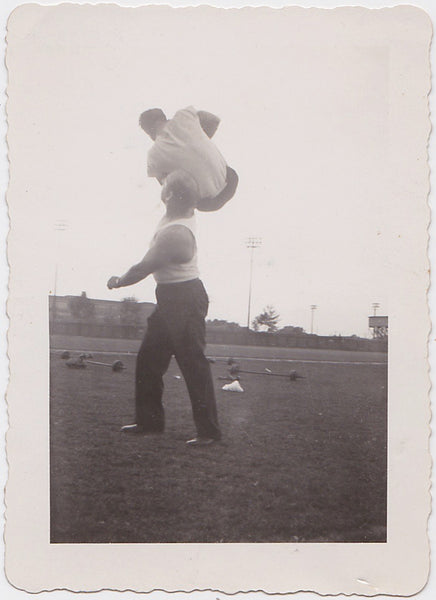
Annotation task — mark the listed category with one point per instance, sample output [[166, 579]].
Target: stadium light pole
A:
[[251, 243], [60, 225], [313, 308]]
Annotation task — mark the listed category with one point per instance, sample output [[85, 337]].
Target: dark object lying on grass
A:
[[235, 370], [82, 361], [76, 363], [116, 366]]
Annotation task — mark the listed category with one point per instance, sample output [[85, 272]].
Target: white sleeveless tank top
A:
[[177, 272]]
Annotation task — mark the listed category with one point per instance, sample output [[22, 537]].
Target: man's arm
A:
[[215, 203], [209, 122], [174, 244]]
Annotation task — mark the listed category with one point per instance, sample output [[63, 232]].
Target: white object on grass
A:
[[235, 386]]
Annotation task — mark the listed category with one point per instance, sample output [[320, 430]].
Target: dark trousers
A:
[[176, 327]]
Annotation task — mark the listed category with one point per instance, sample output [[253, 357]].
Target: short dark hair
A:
[[182, 189], [149, 118]]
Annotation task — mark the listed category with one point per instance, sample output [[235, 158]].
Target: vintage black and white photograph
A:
[[223, 211], [269, 424]]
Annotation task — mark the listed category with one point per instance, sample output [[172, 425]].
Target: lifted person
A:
[[184, 142], [177, 325]]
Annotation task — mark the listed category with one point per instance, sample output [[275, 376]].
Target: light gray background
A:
[[6, 7]]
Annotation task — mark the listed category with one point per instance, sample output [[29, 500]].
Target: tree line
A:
[[83, 308]]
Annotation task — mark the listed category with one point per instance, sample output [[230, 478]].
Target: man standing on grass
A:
[[177, 325]]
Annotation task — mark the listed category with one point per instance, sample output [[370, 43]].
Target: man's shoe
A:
[[139, 429], [134, 428], [200, 441]]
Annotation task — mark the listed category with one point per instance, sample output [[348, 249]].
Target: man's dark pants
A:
[[176, 327]]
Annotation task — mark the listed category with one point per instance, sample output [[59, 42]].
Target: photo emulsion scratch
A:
[[218, 255]]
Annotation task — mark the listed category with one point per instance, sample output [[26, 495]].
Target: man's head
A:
[[180, 194], [152, 121]]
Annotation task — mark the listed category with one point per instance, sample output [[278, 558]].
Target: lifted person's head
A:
[[152, 121], [180, 194]]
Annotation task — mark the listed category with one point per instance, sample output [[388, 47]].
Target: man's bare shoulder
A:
[[175, 232]]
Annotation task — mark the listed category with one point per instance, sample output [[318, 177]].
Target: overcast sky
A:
[[304, 124]]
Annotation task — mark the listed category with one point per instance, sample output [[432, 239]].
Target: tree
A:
[[267, 320], [81, 307], [129, 311]]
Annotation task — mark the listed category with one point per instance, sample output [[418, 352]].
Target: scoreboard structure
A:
[[379, 326]]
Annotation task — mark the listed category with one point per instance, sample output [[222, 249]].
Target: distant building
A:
[[379, 326], [104, 311]]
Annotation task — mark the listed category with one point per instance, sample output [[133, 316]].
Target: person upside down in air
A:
[[184, 142]]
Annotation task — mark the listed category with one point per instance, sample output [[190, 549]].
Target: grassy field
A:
[[300, 461]]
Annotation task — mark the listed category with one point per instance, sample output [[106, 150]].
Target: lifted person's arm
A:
[[215, 203], [173, 245]]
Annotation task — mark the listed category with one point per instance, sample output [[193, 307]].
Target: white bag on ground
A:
[[235, 386]]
